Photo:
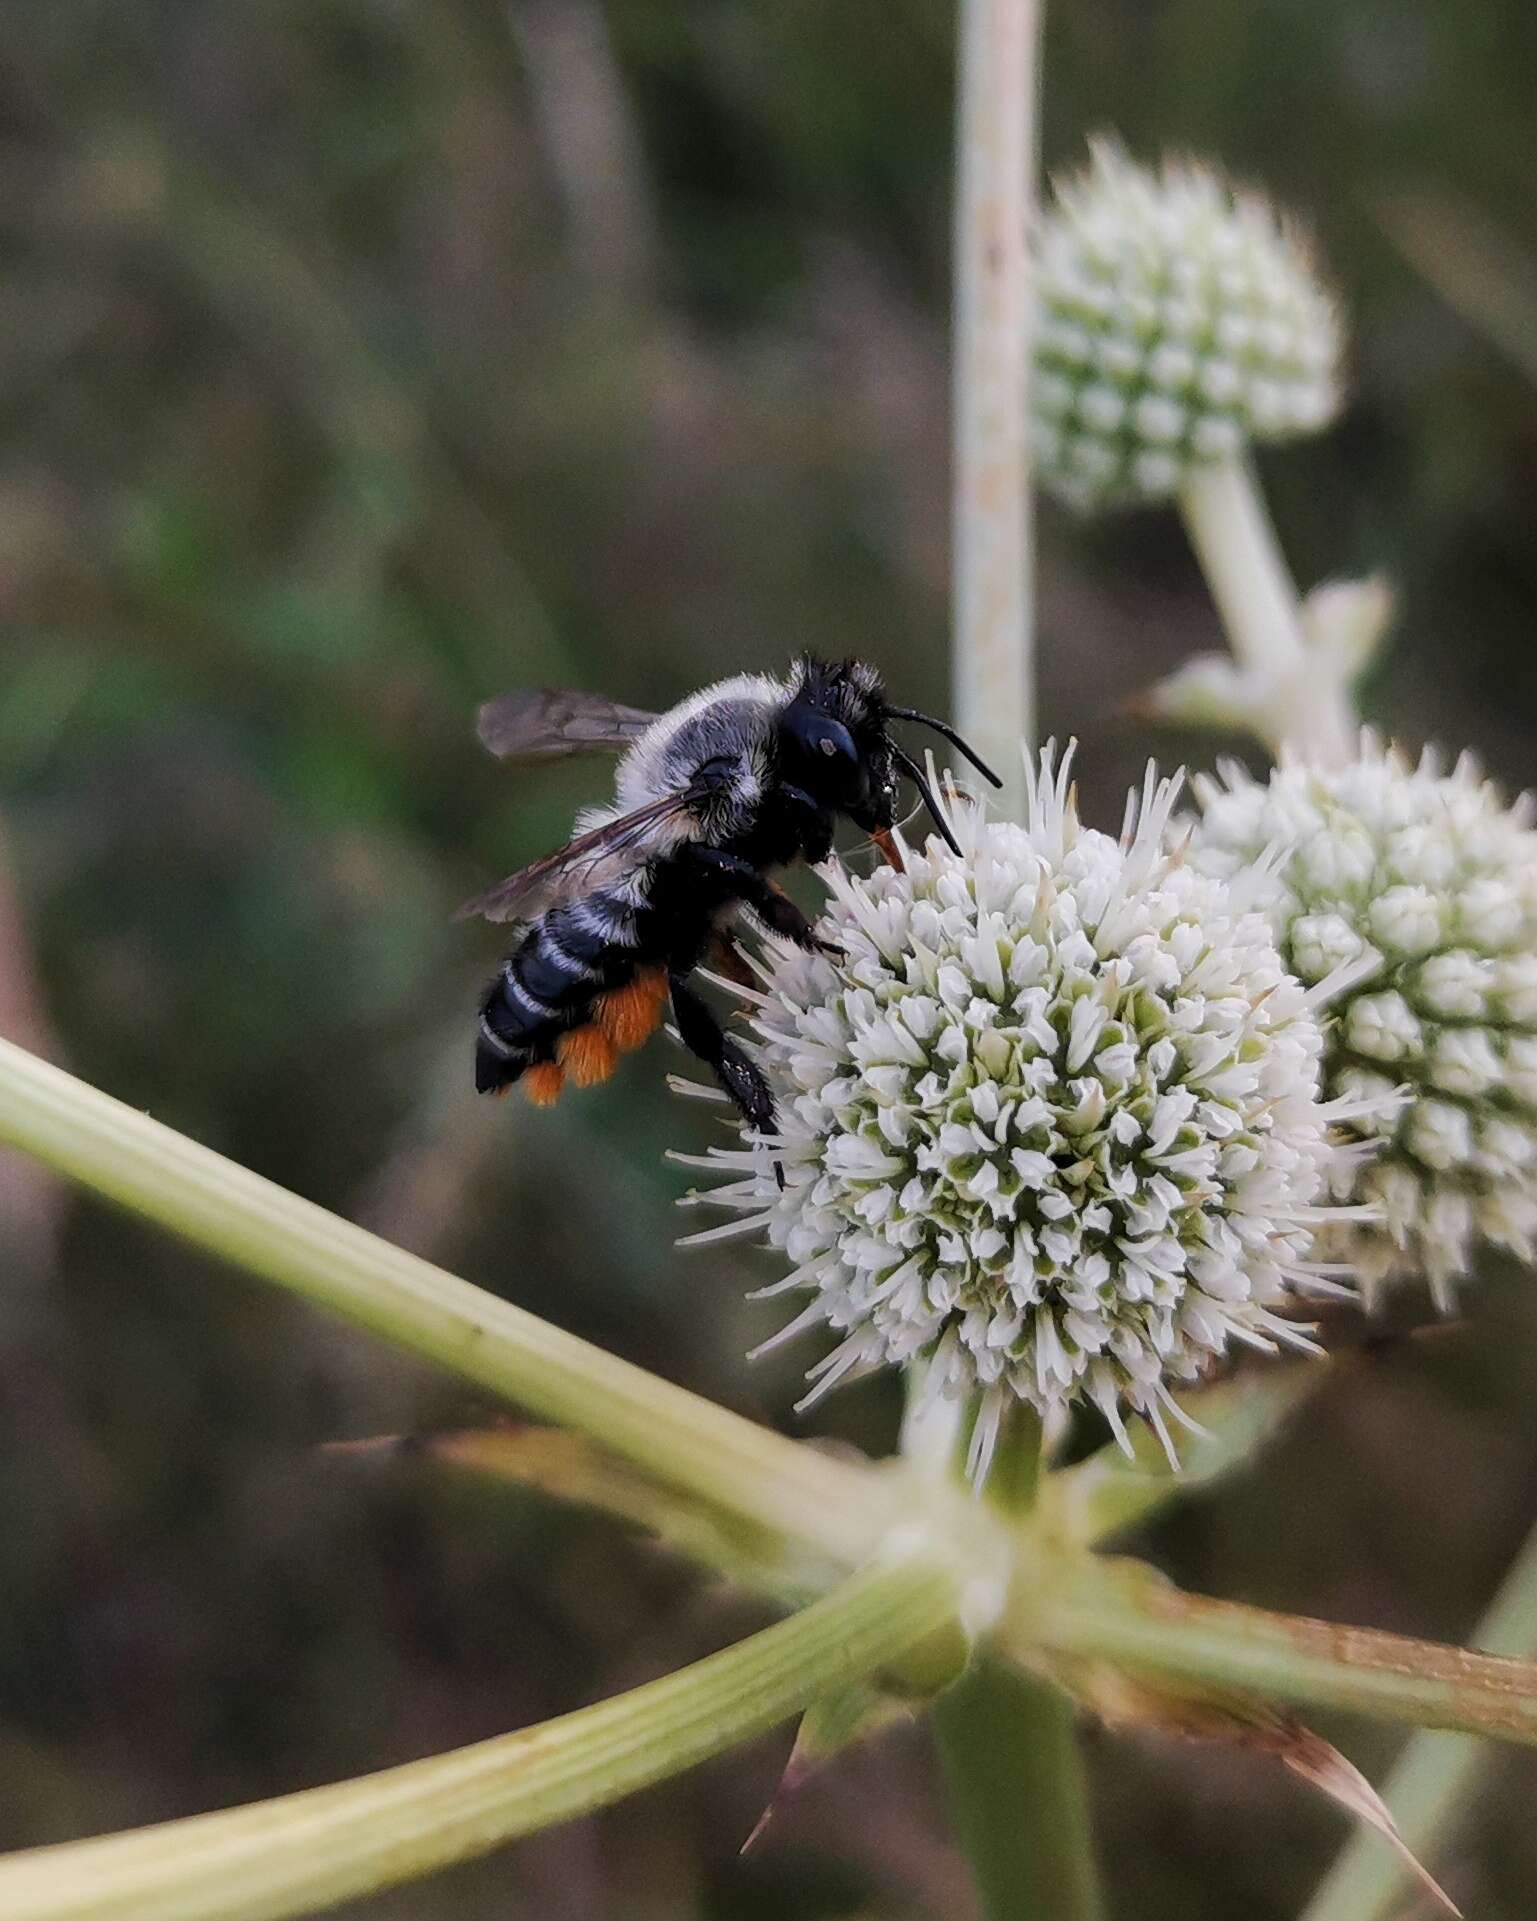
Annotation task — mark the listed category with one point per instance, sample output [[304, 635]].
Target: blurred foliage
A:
[[361, 358]]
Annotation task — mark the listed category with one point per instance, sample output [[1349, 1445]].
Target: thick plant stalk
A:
[[308, 1851], [1014, 1773], [1008, 1746], [996, 155], [1235, 542], [745, 1469], [1433, 1782]]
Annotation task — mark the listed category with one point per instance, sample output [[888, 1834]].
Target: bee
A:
[[742, 778]]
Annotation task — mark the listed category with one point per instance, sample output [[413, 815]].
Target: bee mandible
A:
[[744, 777]]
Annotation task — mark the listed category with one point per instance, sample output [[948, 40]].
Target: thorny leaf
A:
[[1316, 1761], [1109, 1491], [1233, 1721], [1345, 620], [838, 1721], [569, 1467]]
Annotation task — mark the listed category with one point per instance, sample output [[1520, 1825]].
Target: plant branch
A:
[[1433, 1781], [308, 1851], [744, 1469], [1124, 1614]]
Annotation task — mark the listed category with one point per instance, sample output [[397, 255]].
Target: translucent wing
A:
[[532, 889], [539, 723]]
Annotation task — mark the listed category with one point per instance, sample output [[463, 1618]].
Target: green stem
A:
[[1433, 1782], [996, 144], [744, 1469], [308, 1851], [1018, 1800], [1008, 1745], [1235, 542], [1123, 1613]]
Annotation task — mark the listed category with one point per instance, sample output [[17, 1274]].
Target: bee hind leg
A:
[[703, 1036]]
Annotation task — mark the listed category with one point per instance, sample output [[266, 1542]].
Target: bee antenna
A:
[[916, 775], [943, 727]]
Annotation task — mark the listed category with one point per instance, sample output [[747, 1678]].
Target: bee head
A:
[[833, 740], [836, 735]]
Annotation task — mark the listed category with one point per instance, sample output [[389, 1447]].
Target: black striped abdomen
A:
[[547, 989]]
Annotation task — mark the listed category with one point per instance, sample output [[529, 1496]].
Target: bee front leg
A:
[[703, 1036], [816, 823], [775, 909]]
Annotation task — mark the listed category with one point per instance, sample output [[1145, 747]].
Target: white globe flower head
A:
[[1427, 882], [1050, 1126], [1178, 321]]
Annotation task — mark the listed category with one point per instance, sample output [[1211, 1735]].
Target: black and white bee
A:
[[739, 779]]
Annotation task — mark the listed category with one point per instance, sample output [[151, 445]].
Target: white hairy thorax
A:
[[731, 716]]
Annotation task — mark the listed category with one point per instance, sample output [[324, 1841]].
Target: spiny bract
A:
[[1052, 1124], [1427, 882], [1178, 320]]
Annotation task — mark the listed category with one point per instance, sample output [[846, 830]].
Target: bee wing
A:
[[530, 890], [539, 723]]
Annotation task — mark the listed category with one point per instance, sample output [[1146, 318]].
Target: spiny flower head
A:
[[1426, 882], [1051, 1124], [1178, 321]]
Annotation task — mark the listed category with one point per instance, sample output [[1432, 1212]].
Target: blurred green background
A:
[[361, 358]]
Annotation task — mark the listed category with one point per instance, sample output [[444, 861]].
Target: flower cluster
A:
[[1427, 883], [1052, 1123], [1177, 322]]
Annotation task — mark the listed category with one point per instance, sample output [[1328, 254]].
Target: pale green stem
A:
[[1124, 1614], [996, 143], [744, 1469], [308, 1851], [1008, 1743], [1018, 1800], [1434, 1780], [1235, 542]]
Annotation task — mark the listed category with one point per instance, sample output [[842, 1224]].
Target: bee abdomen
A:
[[568, 1000]]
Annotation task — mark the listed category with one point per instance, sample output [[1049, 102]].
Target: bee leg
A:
[[703, 1035], [816, 826], [776, 910], [781, 916], [726, 958]]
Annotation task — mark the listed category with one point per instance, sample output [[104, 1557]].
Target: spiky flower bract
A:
[[1052, 1123], [1178, 321], [1427, 882]]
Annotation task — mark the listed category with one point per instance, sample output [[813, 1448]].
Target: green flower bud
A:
[[1427, 882], [1178, 321]]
